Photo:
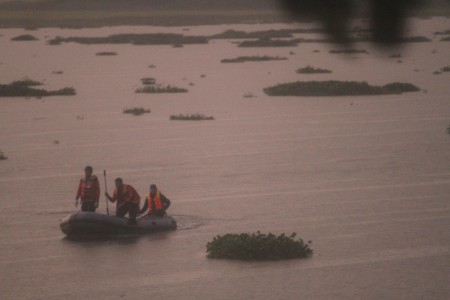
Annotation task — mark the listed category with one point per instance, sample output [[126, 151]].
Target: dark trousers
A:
[[130, 208], [88, 206]]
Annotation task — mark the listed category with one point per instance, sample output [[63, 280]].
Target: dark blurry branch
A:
[[387, 17]]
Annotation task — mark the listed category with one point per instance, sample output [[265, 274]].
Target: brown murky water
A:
[[365, 178]]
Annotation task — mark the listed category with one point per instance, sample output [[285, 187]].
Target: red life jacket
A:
[[158, 203], [89, 188], [128, 194]]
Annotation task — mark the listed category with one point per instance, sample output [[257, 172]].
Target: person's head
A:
[[88, 171], [153, 188], [118, 182]]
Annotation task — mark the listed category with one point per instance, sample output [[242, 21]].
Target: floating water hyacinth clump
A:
[[191, 117], [258, 246], [348, 51], [137, 111], [337, 88], [23, 88], [160, 89], [106, 53], [312, 70], [242, 59], [24, 38], [148, 81]]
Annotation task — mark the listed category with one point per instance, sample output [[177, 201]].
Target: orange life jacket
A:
[[89, 189], [158, 203], [129, 194]]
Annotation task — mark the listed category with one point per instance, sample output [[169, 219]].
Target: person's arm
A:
[[97, 189], [78, 191], [113, 198], [166, 202], [78, 194], [145, 207]]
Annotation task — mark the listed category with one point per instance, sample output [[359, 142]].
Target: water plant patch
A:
[[191, 117], [24, 88], [312, 70], [337, 88], [137, 111], [242, 59], [153, 89], [258, 246]]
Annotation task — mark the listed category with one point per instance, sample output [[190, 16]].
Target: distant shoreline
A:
[[95, 18], [92, 19]]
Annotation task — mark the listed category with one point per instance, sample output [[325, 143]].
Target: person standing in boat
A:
[[127, 200], [88, 191], [156, 203]]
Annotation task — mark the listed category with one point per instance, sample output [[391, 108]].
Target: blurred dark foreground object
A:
[[387, 17]]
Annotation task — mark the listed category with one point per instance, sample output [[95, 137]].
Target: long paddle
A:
[[106, 190]]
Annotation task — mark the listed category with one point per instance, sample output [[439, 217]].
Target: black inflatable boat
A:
[[89, 223]]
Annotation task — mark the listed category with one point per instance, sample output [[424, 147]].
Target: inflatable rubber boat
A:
[[90, 223]]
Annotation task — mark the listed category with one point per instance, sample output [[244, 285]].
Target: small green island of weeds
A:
[[153, 89], [106, 53], [337, 88], [148, 81], [312, 70], [24, 88], [258, 246], [242, 59], [24, 38], [348, 51], [136, 111], [268, 42], [189, 117]]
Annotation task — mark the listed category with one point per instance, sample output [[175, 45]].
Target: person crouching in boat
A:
[[88, 191], [156, 203], [127, 200]]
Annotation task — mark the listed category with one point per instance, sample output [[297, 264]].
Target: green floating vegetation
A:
[[189, 117], [268, 42], [160, 89], [137, 111], [445, 69], [263, 34], [258, 246], [312, 70], [23, 88], [2, 156], [148, 81], [348, 51], [25, 37], [337, 88], [106, 53], [236, 34], [242, 59], [134, 39]]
